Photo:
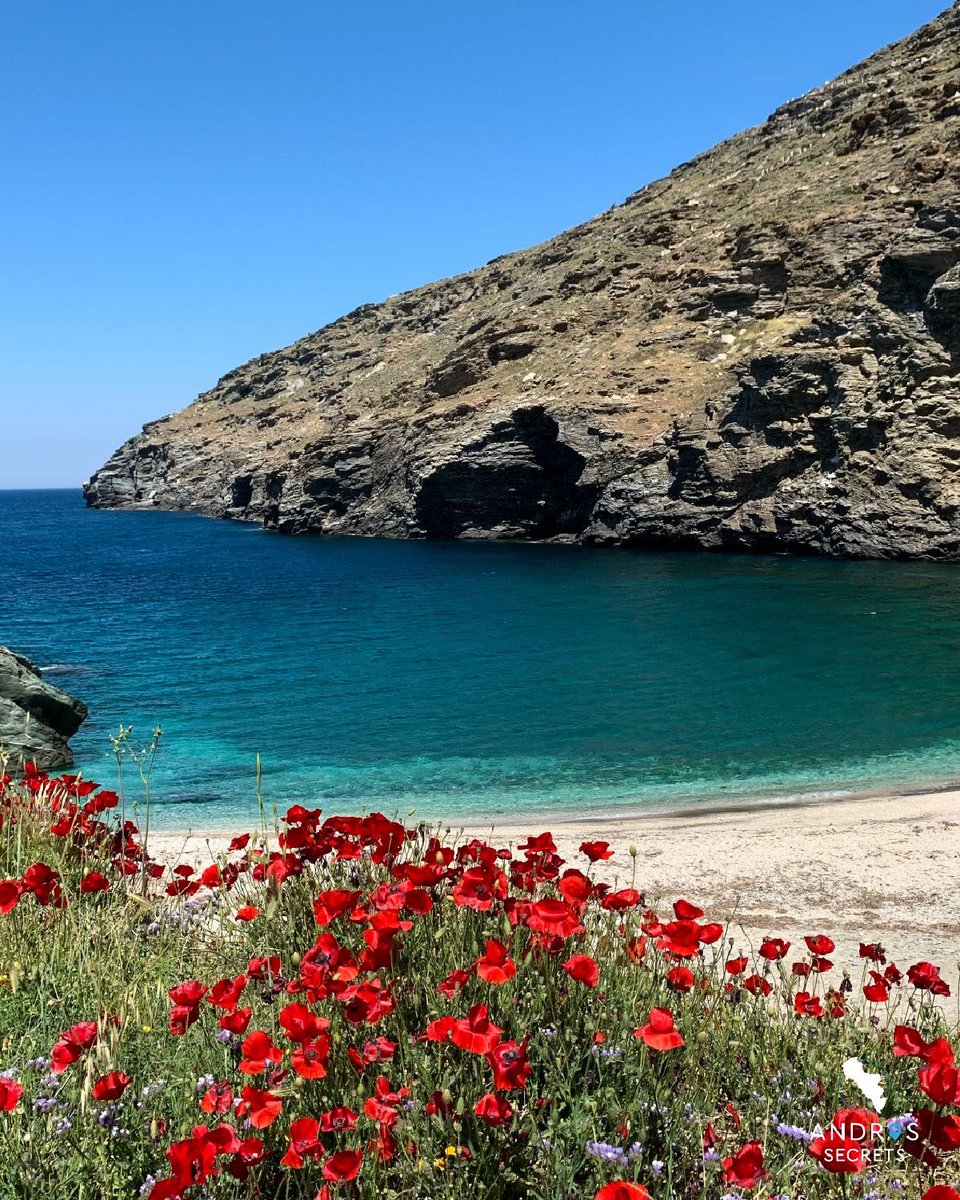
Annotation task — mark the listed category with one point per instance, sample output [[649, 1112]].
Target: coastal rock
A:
[[759, 352], [36, 719]]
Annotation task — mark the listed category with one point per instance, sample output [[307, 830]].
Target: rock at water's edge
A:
[[36, 719]]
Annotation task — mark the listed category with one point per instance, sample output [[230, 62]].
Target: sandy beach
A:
[[876, 868]]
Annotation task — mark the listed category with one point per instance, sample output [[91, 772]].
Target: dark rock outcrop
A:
[[760, 352], [36, 719]]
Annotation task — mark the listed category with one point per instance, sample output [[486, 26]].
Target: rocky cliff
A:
[[36, 719], [761, 351]]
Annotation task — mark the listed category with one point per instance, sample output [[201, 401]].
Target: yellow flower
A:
[[451, 1152], [147, 1029], [439, 1164]]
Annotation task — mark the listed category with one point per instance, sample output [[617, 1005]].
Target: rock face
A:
[[761, 351], [35, 719]]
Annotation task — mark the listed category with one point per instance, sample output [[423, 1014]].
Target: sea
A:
[[467, 681]]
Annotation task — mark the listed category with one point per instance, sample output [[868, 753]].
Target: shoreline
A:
[[870, 867]]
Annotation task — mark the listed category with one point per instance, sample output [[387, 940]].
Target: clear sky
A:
[[185, 184]]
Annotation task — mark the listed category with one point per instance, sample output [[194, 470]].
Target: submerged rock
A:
[[36, 719], [761, 351]]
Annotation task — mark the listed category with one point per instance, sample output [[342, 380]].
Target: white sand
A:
[[879, 868]]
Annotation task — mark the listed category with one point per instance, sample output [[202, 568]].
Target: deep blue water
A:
[[468, 680]]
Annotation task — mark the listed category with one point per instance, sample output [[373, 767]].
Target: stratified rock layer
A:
[[758, 352], [36, 719]]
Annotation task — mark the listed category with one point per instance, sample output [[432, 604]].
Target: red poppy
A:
[[310, 1059], [941, 1082], [343, 1166], [236, 1022], [218, 1098], [479, 887], [582, 968], [926, 977], [247, 913], [773, 949], [304, 1143], [301, 1025], [808, 1005], [596, 851], [757, 985], [452, 984], [745, 1168], [260, 1107], [685, 911], [226, 993], [681, 938], [737, 966], [618, 1190], [258, 1052], [332, 904], [660, 1033], [495, 966], [941, 1191], [680, 979], [622, 900], [476, 1033], [110, 1086], [819, 944], [844, 1147], [493, 1109], [10, 1093], [9, 895], [94, 882], [510, 1067], [553, 917]]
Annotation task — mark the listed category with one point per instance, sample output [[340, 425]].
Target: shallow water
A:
[[473, 680]]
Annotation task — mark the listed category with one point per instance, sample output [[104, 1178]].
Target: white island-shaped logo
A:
[[870, 1084]]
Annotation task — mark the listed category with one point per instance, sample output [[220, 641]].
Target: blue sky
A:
[[189, 184]]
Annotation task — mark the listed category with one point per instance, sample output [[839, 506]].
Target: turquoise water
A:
[[474, 680]]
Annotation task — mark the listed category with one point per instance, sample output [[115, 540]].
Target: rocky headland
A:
[[36, 719], [759, 352]]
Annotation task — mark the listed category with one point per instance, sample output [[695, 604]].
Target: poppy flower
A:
[[493, 1109], [583, 969], [247, 912], [226, 993], [660, 1033], [745, 1168], [680, 979], [820, 944], [94, 882], [844, 1147], [873, 951], [941, 1082], [680, 938], [596, 851], [261, 1107], [495, 966], [304, 1143], [941, 1191], [619, 1190], [479, 887], [926, 978], [876, 992], [555, 918], [737, 966], [9, 895], [10, 1093], [510, 1067], [683, 910], [808, 1005], [258, 1052], [343, 1166], [757, 985], [773, 949], [110, 1086], [338, 1120], [476, 1033], [452, 984], [237, 1021], [301, 1025], [218, 1098], [310, 1059], [620, 901]]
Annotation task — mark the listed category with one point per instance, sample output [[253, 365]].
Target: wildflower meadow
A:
[[346, 1007]]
